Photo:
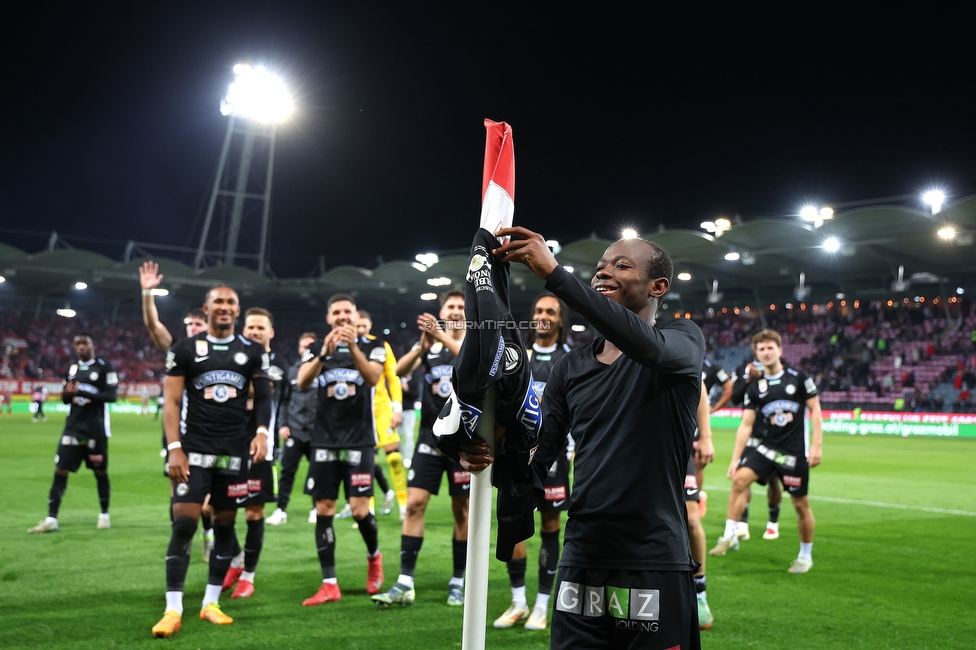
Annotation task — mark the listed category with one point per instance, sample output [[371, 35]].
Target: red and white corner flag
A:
[[498, 186], [497, 210]]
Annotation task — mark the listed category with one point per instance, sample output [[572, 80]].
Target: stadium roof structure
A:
[[871, 243]]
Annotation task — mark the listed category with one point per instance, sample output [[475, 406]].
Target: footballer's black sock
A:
[[178, 553], [548, 560], [104, 490], [222, 554], [700, 584], [774, 514], [368, 528], [253, 544], [325, 545], [237, 544], [460, 548], [516, 572], [744, 519], [206, 520], [409, 550], [58, 487], [381, 479]]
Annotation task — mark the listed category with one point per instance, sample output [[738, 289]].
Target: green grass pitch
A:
[[884, 577]]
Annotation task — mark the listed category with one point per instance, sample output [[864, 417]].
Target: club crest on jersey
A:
[[479, 270], [790, 389], [240, 358], [201, 348], [763, 385], [780, 419], [93, 376], [513, 359]]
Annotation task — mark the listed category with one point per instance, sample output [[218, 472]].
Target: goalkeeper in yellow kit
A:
[[387, 414]]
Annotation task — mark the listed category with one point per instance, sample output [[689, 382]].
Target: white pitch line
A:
[[877, 504]]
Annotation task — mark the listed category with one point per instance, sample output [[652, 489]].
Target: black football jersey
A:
[[437, 364], [780, 405], [276, 374], [541, 361], [344, 418], [217, 375], [713, 375], [97, 384], [633, 421]]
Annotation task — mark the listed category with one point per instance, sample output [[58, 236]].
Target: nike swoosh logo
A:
[[199, 359], [363, 489], [556, 504], [223, 557], [552, 573], [690, 492], [241, 500]]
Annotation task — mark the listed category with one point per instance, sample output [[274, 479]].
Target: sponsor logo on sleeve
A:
[[378, 354], [73, 370], [112, 378], [201, 348], [170, 360], [265, 361], [810, 386], [513, 359]]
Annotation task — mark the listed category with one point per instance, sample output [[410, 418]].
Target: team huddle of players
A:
[[227, 404]]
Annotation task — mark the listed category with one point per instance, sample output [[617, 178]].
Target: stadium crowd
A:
[[899, 357]]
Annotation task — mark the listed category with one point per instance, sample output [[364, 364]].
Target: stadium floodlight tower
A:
[[257, 102]]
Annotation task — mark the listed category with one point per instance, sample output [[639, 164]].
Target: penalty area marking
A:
[[876, 504]]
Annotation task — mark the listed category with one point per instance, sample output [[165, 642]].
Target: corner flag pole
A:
[[497, 210]]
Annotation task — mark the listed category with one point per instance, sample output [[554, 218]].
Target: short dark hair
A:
[[660, 265], [339, 297], [196, 312], [365, 314], [206, 296], [85, 334], [308, 335], [259, 311], [453, 293], [563, 316]]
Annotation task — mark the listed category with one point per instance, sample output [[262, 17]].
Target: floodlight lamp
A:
[[67, 312], [960, 290], [826, 213], [438, 282], [420, 267], [708, 226], [684, 277], [258, 95], [2, 279], [831, 245], [554, 246], [947, 232], [809, 213], [427, 259], [732, 257], [629, 233], [722, 224], [81, 286], [428, 296], [934, 199]]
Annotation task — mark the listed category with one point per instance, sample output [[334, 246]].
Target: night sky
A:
[[112, 130]]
